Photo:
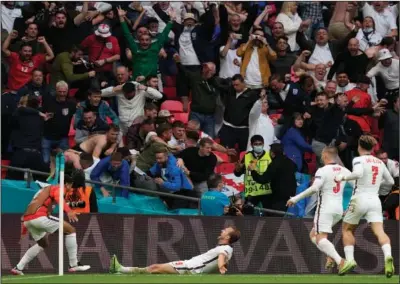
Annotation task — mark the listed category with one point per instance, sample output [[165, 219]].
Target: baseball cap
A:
[[384, 54], [189, 16], [164, 113], [103, 30]]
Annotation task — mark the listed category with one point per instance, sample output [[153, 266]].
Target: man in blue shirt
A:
[[214, 202], [117, 168]]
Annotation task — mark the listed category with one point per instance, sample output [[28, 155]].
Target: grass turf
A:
[[237, 278]]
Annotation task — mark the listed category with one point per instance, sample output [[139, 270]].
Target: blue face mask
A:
[[368, 30], [258, 149]]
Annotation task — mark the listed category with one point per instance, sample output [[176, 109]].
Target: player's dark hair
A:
[[214, 180], [234, 236]]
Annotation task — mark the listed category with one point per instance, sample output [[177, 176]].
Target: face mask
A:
[[258, 149], [368, 30], [153, 34], [188, 29]]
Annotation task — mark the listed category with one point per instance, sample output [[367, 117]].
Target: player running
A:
[[216, 258], [368, 172], [38, 221], [329, 207]]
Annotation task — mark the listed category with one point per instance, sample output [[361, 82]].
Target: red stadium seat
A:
[[170, 93], [182, 116], [223, 156], [169, 81], [242, 154], [172, 106], [225, 168], [72, 92], [4, 170]]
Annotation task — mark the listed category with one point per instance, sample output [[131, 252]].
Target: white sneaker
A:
[[79, 267], [16, 271]]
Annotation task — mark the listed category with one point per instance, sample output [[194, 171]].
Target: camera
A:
[[77, 204], [88, 65], [232, 210]]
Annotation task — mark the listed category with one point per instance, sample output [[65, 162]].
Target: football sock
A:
[[133, 270], [349, 252], [387, 250], [30, 254], [328, 248], [72, 249]]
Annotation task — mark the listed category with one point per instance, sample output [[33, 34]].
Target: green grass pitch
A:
[[237, 278]]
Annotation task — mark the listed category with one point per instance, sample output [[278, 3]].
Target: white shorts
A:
[[364, 206], [39, 227], [323, 222], [185, 267]]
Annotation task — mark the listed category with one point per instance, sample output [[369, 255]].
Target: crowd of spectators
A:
[[264, 85]]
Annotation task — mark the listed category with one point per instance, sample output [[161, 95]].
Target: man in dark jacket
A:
[[26, 139], [35, 87], [281, 176]]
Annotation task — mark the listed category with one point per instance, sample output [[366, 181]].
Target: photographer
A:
[[239, 207], [81, 198]]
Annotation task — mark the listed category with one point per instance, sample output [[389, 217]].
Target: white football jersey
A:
[[208, 261], [330, 192], [372, 171]]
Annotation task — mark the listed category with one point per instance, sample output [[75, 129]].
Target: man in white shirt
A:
[[8, 15], [329, 207], [230, 62], [213, 260], [393, 167], [385, 23], [261, 124], [343, 83], [131, 98], [388, 69]]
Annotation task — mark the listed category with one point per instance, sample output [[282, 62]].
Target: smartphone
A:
[[238, 36]]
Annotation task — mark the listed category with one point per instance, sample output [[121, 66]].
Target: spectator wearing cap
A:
[[22, 64], [95, 104], [353, 61], [145, 53], [90, 124], [388, 69], [137, 133], [103, 48], [164, 116], [131, 99], [363, 101], [256, 55], [192, 41]]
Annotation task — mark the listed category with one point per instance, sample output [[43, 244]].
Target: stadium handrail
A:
[[134, 189]]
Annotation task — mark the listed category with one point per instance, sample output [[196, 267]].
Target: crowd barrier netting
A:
[[268, 245]]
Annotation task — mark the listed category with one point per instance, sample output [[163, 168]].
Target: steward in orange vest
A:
[[81, 198]]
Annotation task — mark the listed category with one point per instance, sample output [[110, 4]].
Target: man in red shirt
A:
[[363, 101], [103, 48], [23, 63]]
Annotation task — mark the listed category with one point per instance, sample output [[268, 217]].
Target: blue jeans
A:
[[207, 122], [48, 145]]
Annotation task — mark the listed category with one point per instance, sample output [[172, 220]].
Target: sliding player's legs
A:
[[39, 229], [165, 268]]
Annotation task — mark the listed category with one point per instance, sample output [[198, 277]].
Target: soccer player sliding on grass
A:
[[216, 258], [39, 223], [368, 172], [329, 207]]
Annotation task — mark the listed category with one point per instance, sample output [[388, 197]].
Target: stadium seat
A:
[[225, 168], [72, 92], [170, 93], [242, 154], [4, 170], [169, 81], [172, 106], [182, 116]]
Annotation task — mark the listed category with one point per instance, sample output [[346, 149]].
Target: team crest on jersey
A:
[[295, 92], [109, 45], [65, 111], [30, 64]]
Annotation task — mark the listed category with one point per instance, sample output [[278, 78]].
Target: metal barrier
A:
[[29, 179]]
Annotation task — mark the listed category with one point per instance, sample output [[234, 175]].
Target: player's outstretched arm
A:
[[222, 262], [318, 182]]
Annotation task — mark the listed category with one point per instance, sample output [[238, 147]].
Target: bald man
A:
[[354, 61]]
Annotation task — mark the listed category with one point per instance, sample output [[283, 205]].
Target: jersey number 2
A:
[[375, 171], [336, 188]]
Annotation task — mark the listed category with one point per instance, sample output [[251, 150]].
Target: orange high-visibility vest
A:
[[84, 196]]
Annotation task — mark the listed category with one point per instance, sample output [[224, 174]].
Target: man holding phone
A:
[[256, 56]]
